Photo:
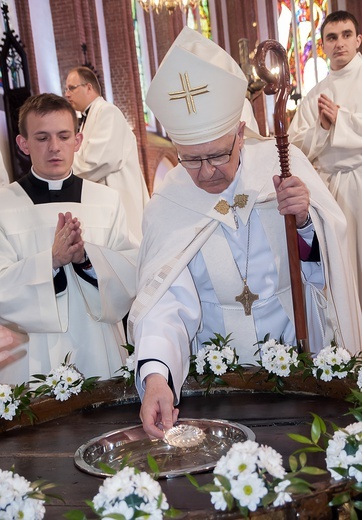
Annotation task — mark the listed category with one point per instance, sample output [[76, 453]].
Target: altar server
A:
[[327, 126], [67, 262]]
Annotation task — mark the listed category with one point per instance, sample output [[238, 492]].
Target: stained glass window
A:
[[299, 28], [140, 58], [200, 17]]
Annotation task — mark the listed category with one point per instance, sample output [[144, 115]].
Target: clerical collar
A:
[[52, 185], [86, 110]]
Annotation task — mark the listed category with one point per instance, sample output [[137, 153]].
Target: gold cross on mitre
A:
[[188, 92], [223, 206]]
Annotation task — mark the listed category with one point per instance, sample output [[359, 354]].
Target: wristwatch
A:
[[306, 223]]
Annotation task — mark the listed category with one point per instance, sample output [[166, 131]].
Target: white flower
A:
[[120, 508], [130, 362], [331, 361], [283, 496], [241, 464], [272, 461], [61, 392], [277, 358], [214, 359], [9, 411], [15, 502], [146, 487], [217, 498], [200, 365], [130, 491], [248, 490], [246, 466], [5, 392], [344, 451], [228, 353], [218, 367], [359, 379]]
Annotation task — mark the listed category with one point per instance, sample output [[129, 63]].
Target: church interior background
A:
[[124, 44]]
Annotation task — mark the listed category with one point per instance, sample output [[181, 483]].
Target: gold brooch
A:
[[223, 206]]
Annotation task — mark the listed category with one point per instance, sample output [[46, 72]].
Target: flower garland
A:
[[249, 475], [20, 498], [61, 383], [129, 494]]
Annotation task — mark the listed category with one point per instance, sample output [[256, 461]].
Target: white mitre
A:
[[198, 91]]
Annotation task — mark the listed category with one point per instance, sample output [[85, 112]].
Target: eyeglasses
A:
[[72, 88], [215, 160]]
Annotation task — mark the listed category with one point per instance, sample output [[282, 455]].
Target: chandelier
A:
[[170, 5]]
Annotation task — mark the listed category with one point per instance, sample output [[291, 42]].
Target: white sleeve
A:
[[165, 333]]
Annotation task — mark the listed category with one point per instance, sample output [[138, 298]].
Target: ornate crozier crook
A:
[[280, 85]]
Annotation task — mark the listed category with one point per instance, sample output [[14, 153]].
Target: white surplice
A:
[[109, 155], [337, 153], [188, 278], [83, 319]]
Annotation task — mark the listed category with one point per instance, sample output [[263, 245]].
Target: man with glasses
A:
[[108, 153], [214, 256]]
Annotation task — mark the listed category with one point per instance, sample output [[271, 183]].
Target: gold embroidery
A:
[[223, 206], [240, 201], [188, 92]]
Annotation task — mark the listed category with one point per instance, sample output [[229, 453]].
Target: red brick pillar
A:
[[124, 71], [26, 36]]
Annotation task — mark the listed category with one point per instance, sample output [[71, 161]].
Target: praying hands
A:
[[68, 245]]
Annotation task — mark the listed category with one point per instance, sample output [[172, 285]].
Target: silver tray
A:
[[134, 444]]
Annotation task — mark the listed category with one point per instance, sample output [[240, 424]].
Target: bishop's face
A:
[[213, 177], [51, 143]]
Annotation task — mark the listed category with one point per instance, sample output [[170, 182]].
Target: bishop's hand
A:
[[292, 197], [157, 411]]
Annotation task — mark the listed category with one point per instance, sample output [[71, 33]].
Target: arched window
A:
[[142, 59]]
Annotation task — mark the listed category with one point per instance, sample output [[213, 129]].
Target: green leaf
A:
[[302, 459], [300, 438], [340, 499], [312, 470], [106, 469], [192, 480], [293, 463], [153, 465], [358, 505], [318, 428], [223, 481]]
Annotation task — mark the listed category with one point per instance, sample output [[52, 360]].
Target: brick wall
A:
[[23, 15], [124, 71]]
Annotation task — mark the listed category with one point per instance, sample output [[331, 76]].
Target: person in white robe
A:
[[67, 259], [214, 232], [108, 153], [327, 126]]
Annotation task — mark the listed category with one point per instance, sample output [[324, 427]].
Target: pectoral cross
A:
[[246, 298]]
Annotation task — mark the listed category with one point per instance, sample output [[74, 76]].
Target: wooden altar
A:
[[46, 449]]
